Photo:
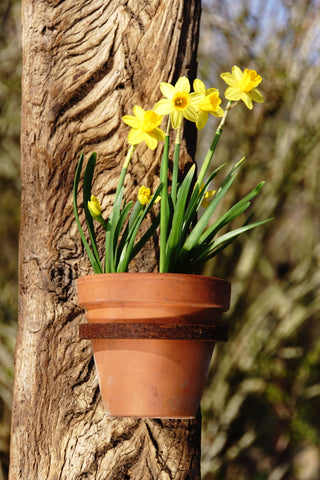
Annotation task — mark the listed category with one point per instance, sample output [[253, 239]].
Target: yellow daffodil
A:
[[144, 195], [94, 207], [144, 127], [210, 103], [207, 198], [242, 86], [179, 102]]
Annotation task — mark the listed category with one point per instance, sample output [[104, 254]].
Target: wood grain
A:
[[85, 64]]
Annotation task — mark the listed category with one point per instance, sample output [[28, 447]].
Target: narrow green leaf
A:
[[202, 223], [111, 246], [87, 186], [122, 219], [211, 250], [235, 233], [195, 202], [174, 242], [231, 214], [95, 265], [147, 235], [127, 253]]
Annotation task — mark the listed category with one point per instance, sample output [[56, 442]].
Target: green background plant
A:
[[261, 407]]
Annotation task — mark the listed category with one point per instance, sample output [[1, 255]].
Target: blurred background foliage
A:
[[261, 408], [10, 79]]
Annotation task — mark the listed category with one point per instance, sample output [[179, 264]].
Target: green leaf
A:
[[87, 185], [148, 234], [231, 214], [95, 264], [127, 253], [202, 223], [111, 240], [233, 234], [212, 249], [122, 219], [174, 239], [195, 202]]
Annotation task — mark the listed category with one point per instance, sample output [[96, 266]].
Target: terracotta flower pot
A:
[[153, 336]]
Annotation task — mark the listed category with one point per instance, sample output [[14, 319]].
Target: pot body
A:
[[155, 378]]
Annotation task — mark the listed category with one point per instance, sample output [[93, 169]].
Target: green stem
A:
[[213, 145], [176, 166], [164, 211], [129, 156], [124, 170]]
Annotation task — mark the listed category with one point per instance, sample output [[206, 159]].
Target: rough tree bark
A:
[[85, 64]]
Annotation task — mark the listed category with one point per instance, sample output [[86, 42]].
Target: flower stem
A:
[[176, 166], [213, 145], [164, 211]]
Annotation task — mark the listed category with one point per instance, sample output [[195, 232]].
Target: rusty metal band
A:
[[153, 331]]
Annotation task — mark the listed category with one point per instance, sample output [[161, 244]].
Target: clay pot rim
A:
[[206, 292], [95, 276]]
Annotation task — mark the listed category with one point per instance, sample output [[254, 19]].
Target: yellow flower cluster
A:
[[179, 103]]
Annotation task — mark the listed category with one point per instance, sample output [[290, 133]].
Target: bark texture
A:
[[85, 64]]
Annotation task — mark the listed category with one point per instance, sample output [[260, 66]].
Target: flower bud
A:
[[144, 195], [207, 198], [94, 207]]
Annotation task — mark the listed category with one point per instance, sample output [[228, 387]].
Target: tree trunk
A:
[[85, 64]]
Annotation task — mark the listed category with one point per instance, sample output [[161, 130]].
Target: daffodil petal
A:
[[183, 85], [217, 113], [247, 100], [256, 96], [212, 90], [176, 118], [151, 142], [131, 121], [229, 79], [237, 73], [190, 113], [232, 93], [167, 90], [158, 134], [195, 98], [163, 107], [135, 136], [139, 112], [199, 86], [202, 120]]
